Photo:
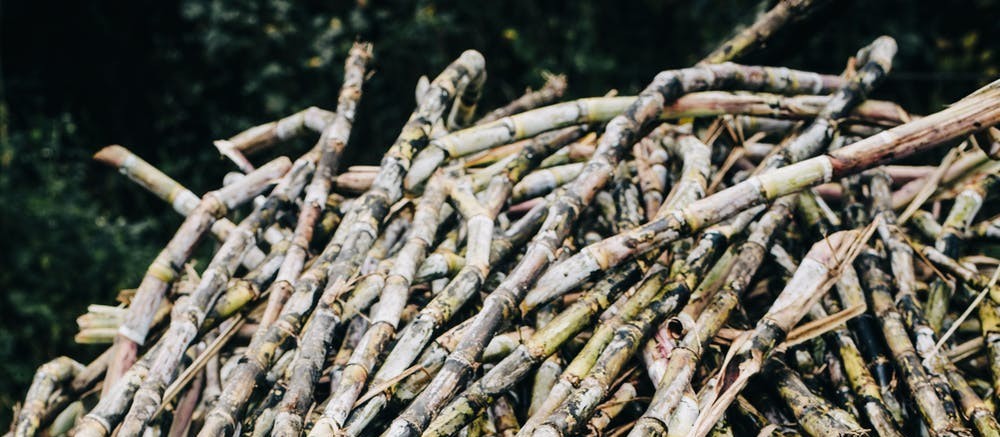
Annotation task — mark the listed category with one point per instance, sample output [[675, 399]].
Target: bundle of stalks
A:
[[729, 252]]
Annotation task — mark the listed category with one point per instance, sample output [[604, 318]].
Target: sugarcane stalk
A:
[[650, 158], [544, 343], [463, 109], [331, 144], [165, 267], [47, 380], [544, 181], [920, 384], [815, 415], [181, 421], [263, 136], [817, 272], [878, 60], [871, 398], [190, 311], [694, 186], [342, 256], [872, 355], [685, 356], [602, 109], [691, 186], [653, 288], [607, 411], [961, 167], [758, 34], [971, 115], [552, 90], [901, 257], [950, 241], [180, 198], [473, 273], [504, 417], [385, 318]]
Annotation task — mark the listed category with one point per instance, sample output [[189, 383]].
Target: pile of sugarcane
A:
[[727, 252]]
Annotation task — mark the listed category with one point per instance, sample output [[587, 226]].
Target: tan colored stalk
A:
[[260, 137]]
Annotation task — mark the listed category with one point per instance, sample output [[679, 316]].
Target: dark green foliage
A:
[[166, 78]]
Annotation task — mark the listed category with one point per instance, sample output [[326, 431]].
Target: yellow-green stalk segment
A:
[[968, 115], [331, 145], [686, 354], [180, 198], [919, 383], [925, 223], [602, 109], [165, 268], [346, 249], [694, 154], [843, 395], [758, 33], [950, 241], [190, 311], [869, 397], [470, 278], [522, 360], [654, 287], [463, 108], [814, 414], [695, 177], [263, 136], [552, 90], [988, 317], [385, 317], [877, 58], [815, 274]]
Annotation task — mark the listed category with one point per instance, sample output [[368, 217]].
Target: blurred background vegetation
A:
[[165, 78]]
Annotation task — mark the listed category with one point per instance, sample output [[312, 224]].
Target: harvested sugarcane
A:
[[655, 264]]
